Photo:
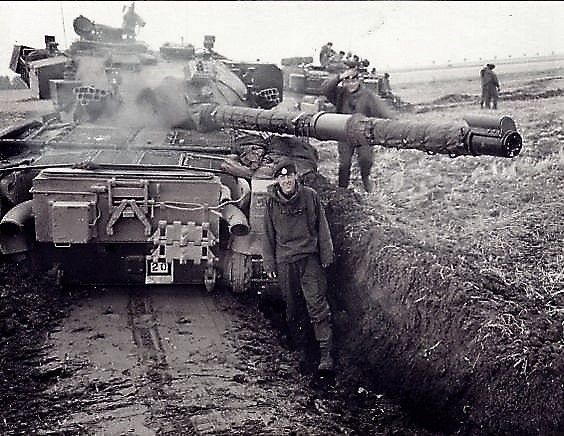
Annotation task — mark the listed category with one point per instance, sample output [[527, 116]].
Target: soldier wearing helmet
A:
[[347, 92], [297, 248]]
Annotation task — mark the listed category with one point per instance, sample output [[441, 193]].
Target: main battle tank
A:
[[166, 182], [303, 81]]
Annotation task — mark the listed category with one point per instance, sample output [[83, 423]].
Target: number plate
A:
[[158, 268]]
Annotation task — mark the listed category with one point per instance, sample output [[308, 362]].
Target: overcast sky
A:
[[391, 34]]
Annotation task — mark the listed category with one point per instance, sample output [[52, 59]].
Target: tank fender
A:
[[13, 238], [250, 244], [20, 129]]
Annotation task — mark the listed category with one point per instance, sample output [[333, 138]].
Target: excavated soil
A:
[[447, 291]]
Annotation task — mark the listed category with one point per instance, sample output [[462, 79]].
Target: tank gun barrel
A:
[[475, 135]]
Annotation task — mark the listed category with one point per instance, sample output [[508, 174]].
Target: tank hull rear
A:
[[108, 264]]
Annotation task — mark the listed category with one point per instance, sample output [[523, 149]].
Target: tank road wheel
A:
[[240, 272]]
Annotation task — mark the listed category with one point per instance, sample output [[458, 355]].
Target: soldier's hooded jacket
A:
[[295, 228]]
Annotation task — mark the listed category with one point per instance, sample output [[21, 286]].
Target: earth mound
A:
[[461, 349]]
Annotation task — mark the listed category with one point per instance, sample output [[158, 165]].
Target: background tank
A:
[[303, 81]]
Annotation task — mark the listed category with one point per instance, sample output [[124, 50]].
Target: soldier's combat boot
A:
[[326, 363], [325, 375]]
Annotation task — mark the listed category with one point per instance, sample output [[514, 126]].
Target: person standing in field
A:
[[490, 87], [385, 89], [483, 86], [350, 96]]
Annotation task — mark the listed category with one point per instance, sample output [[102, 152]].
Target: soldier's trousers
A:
[[304, 286], [365, 160], [490, 97]]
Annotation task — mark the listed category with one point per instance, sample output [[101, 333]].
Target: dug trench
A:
[[463, 352]]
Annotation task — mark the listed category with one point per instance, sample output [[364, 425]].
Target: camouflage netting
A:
[[462, 350]]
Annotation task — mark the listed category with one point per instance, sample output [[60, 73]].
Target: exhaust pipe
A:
[[240, 192], [13, 238], [236, 220]]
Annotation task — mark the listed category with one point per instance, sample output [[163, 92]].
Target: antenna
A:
[[64, 29]]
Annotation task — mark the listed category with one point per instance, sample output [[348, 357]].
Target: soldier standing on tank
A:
[[337, 57], [490, 87], [130, 22], [353, 62], [326, 53], [297, 248], [347, 92]]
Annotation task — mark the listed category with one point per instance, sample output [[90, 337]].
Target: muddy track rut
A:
[[180, 361]]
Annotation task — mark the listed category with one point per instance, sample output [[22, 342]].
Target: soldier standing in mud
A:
[[347, 92], [297, 248], [490, 87]]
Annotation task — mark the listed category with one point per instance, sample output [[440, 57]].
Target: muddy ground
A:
[[447, 296], [155, 361]]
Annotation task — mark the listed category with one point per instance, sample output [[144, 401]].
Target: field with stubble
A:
[[451, 274]]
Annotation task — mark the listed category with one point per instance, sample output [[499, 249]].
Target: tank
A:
[[160, 176], [125, 123], [303, 82]]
